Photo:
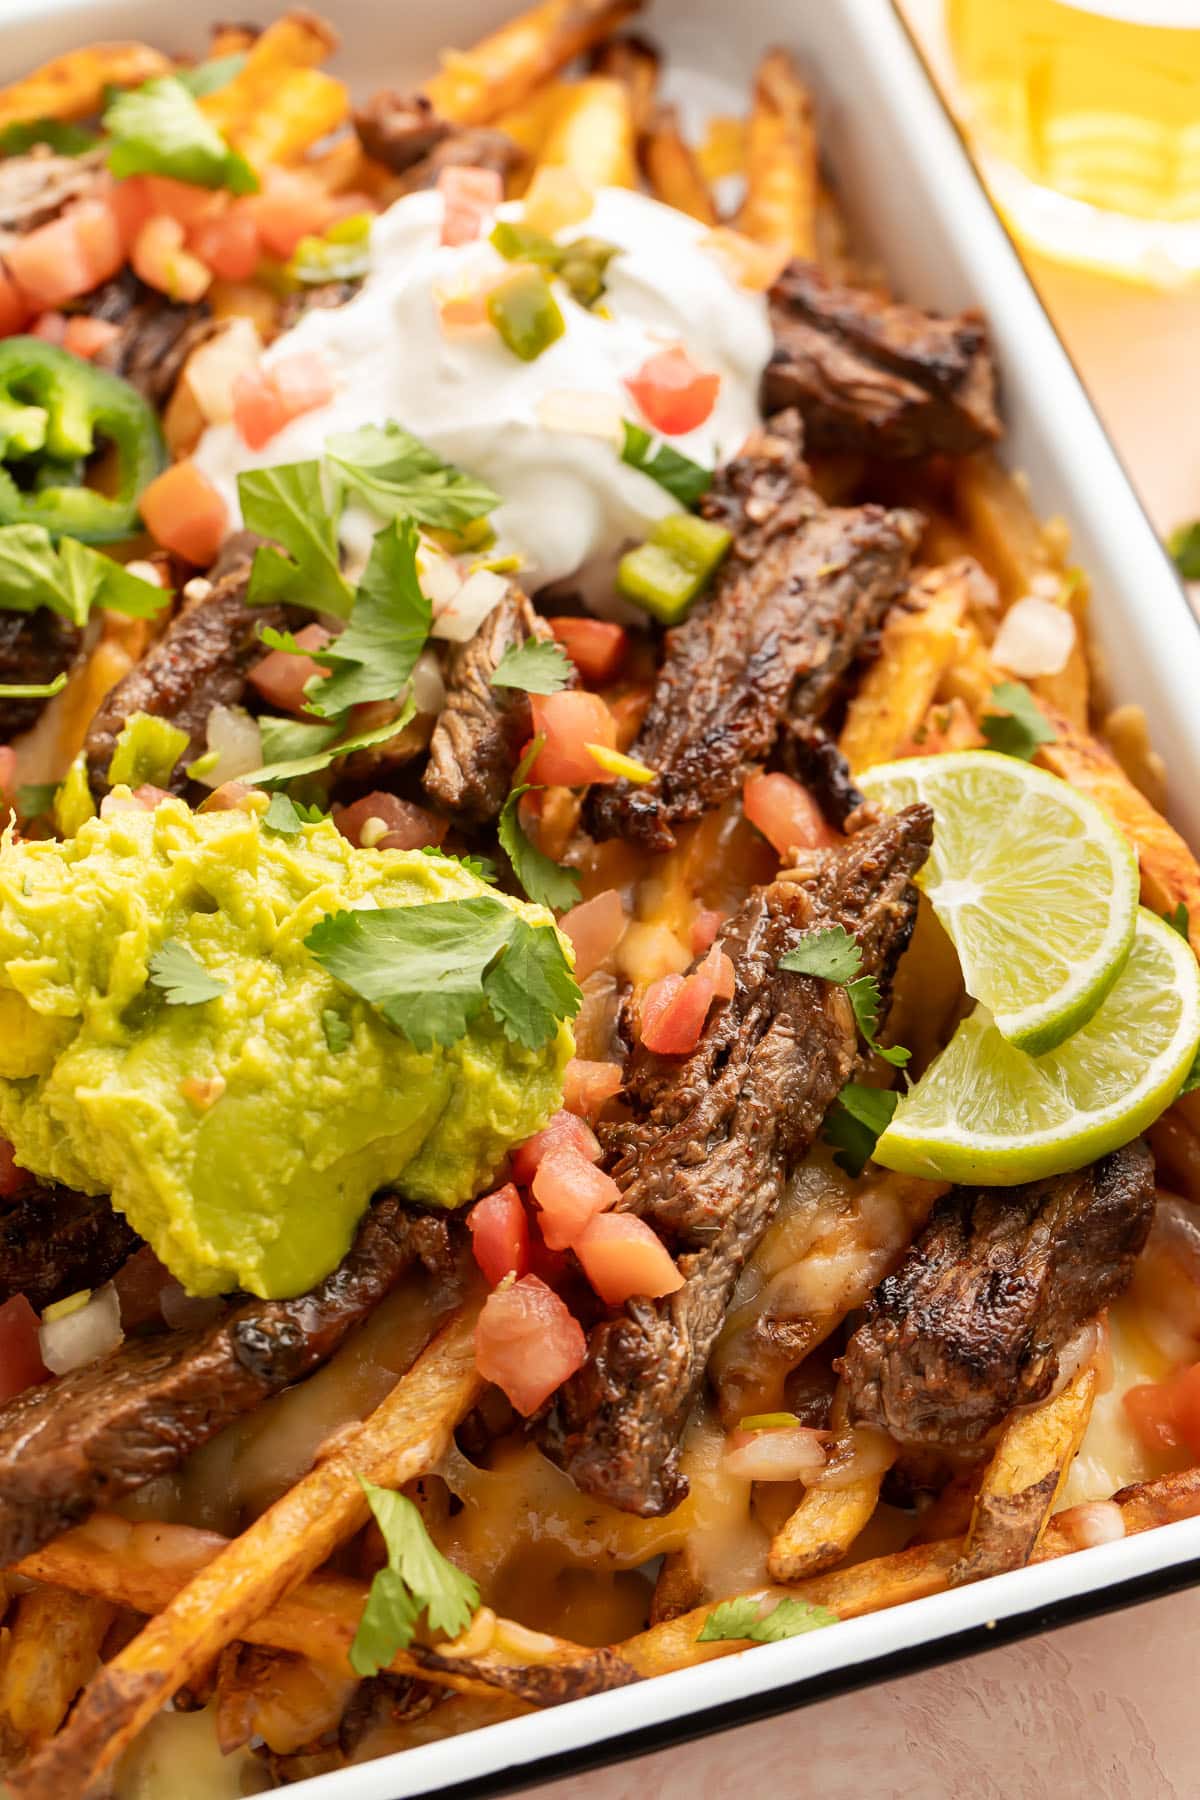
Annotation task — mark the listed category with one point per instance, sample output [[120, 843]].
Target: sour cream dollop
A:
[[524, 428]]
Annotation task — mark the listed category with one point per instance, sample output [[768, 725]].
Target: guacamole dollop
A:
[[244, 1135]]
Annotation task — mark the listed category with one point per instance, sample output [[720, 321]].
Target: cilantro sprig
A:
[[287, 504], [70, 578], [183, 979], [539, 666], [158, 129], [834, 956], [1177, 919], [287, 817], [296, 749], [683, 479], [855, 1123], [1017, 727], [417, 1579], [744, 1619], [545, 881], [398, 476]]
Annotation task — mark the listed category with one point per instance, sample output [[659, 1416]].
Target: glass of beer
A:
[[1085, 117]]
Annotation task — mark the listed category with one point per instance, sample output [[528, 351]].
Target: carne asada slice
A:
[[103, 1430], [321, 296], [54, 1241], [34, 648], [35, 187], [803, 586], [156, 335], [872, 375], [712, 1143], [972, 1322], [477, 740], [403, 132]]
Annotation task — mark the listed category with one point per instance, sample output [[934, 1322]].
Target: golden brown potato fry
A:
[[405, 1435], [827, 1521], [949, 1514], [339, 169], [54, 1641], [970, 675], [592, 134], [1024, 1480], [305, 106], [529, 124], [1069, 691], [72, 86], [230, 40], [285, 1700], [680, 1587], [299, 40], [1011, 542], [918, 641], [475, 86], [47, 751], [782, 177], [1128, 737], [634, 63], [672, 170]]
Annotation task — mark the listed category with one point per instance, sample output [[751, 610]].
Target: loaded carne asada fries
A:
[[598, 1014]]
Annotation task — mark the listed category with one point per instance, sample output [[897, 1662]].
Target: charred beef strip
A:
[[812, 758], [802, 587], [54, 1241], [477, 740], [98, 1433], [872, 375], [403, 132], [156, 335], [34, 648], [973, 1321], [322, 296], [713, 1140]]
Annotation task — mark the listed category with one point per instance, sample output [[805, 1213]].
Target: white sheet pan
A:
[[910, 189]]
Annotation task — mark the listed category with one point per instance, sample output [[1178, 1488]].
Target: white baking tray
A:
[[910, 189]]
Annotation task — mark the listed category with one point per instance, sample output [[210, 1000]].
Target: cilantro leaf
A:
[[286, 740], [184, 981], [287, 504], [376, 654], [397, 475], [1178, 920], [336, 1029], [35, 798], [1019, 725], [865, 999], [430, 970], [33, 690], [1184, 547], [60, 135], [158, 129], [69, 578], [482, 867], [418, 1578], [743, 1618], [855, 1122], [684, 479], [832, 954], [544, 880], [282, 816], [1191, 1080], [539, 665], [207, 77], [325, 751]]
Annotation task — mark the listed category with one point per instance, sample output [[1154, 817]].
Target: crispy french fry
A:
[[672, 169], [680, 1587], [1128, 737], [403, 1437], [47, 750], [1007, 536], [285, 1700], [781, 160], [338, 169], [970, 675], [231, 40], [475, 86], [919, 640], [1024, 1480], [634, 63], [305, 106], [299, 40], [72, 86], [53, 1646], [529, 124], [592, 134], [828, 1519], [1170, 873]]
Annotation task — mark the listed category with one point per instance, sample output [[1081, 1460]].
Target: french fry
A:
[[73, 86], [53, 1645], [475, 86], [529, 124], [828, 1519], [970, 675], [593, 135], [1068, 691], [231, 40], [299, 40], [405, 1435], [1127, 735], [917, 644], [672, 169], [285, 1700], [1007, 536], [305, 106], [781, 160], [634, 63], [339, 169], [1024, 1480]]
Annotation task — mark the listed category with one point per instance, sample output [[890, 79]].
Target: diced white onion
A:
[[235, 737], [790, 1453], [582, 412], [479, 595], [215, 365], [1035, 638], [82, 1336], [871, 1453], [1095, 1522], [428, 688], [439, 574]]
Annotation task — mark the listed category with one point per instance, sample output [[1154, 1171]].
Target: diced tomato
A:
[[471, 195], [15, 307], [267, 399], [228, 244], [569, 1190], [705, 926], [291, 206], [183, 511], [1186, 1401], [527, 1342], [569, 721], [68, 257], [675, 1008], [21, 1362], [148, 796], [281, 675], [564, 1128], [131, 206], [588, 1085], [673, 394], [182, 201], [13, 1178], [1166, 1414], [159, 257], [8, 775], [500, 1234], [405, 826], [786, 814], [622, 1257], [51, 327], [139, 1283], [595, 928], [595, 646], [304, 380], [87, 337]]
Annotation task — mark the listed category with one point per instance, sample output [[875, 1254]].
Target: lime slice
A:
[[1034, 884], [986, 1112]]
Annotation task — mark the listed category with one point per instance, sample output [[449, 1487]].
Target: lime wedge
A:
[[986, 1112], [1034, 884]]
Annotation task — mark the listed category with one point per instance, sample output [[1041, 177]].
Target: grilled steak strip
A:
[[712, 1143], [403, 132], [477, 740], [972, 1322], [54, 1241], [100, 1432], [34, 648], [802, 587], [869, 374], [156, 336]]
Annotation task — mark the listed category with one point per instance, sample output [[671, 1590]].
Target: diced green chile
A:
[[676, 562], [55, 411], [526, 314]]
